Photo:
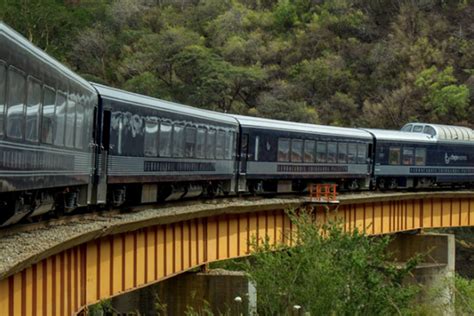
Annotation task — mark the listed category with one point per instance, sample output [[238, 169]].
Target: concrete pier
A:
[[218, 291], [436, 268]]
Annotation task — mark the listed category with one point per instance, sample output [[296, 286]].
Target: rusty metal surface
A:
[[143, 252]]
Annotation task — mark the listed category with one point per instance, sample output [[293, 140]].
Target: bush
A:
[[328, 272]]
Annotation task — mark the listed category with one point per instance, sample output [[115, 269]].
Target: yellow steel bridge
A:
[[86, 271]]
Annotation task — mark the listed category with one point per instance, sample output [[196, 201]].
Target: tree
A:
[[157, 54], [328, 272], [285, 15], [48, 23], [442, 98], [210, 82], [91, 53], [340, 109], [279, 103], [317, 80]]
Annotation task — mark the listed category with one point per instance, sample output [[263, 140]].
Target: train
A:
[[68, 144]]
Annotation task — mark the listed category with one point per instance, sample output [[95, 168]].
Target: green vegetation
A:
[[377, 63], [329, 272]]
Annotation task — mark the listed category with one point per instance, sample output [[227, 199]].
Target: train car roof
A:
[[154, 103], [18, 39], [394, 135], [263, 123], [441, 132]]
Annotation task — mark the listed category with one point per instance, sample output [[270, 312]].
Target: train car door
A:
[[103, 158], [91, 189], [243, 163]]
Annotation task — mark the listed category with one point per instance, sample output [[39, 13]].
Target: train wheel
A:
[[354, 186], [381, 184], [393, 184], [211, 190]]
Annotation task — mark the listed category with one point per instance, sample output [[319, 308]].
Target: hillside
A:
[[375, 63]]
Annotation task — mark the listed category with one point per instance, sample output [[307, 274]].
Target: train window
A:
[[165, 139], [283, 149], [201, 143], [190, 141], [178, 141], [3, 82], [394, 156], [362, 153], [47, 128], [408, 155], [33, 104], [309, 146], [151, 139], [342, 153], [233, 145], [70, 121], [420, 156], [79, 141], [220, 143], [257, 146], [429, 130], [229, 145], [321, 152], [351, 153], [60, 115], [210, 144], [332, 152], [296, 150], [417, 128], [16, 93]]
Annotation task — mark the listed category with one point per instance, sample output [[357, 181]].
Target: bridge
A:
[[92, 260]]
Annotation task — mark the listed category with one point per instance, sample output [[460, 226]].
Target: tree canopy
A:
[[377, 63]]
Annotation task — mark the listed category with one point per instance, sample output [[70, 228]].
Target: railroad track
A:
[[105, 214], [63, 220]]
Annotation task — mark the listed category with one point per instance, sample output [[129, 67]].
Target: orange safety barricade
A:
[[324, 192]]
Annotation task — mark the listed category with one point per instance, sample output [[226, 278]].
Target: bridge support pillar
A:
[[219, 291], [437, 267]]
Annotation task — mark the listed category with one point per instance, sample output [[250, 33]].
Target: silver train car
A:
[[46, 123]]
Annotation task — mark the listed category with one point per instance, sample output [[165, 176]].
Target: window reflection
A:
[[151, 139], [283, 149], [32, 110], [47, 128], [16, 103], [60, 115], [165, 139]]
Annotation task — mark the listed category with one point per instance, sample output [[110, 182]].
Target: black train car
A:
[[46, 120], [162, 150], [422, 159], [279, 156]]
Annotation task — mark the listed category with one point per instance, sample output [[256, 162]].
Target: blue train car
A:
[[279, 156], [157, 150], [417, 160]]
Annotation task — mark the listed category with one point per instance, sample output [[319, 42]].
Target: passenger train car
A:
[[156, 150], [400, 158], [279, 156], [451, 161], [46, 123], [66, 143]]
